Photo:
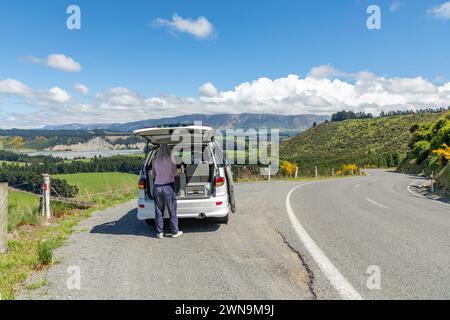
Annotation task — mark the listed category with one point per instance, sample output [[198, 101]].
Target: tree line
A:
[[29, 176], [345, 115]]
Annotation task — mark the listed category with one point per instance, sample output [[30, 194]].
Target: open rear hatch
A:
[[195, 179], [175, 134]]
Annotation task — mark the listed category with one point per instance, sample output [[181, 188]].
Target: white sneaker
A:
[[180, 233], [160, 235]]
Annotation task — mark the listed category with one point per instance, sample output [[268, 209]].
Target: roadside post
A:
[[3, 217], [269, 172], [315, 172], [332, 172], [46, 196], [296, 172], [432, 182]]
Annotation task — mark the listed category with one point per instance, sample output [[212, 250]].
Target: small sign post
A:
[[46, 196], [432, 181]]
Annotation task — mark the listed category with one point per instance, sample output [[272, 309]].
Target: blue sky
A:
[[120, 46]]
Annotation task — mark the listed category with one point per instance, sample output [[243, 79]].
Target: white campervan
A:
[[204, 185]]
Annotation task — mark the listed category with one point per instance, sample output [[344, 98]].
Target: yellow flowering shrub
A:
[[443, 152], [348, 169], [288, 168]]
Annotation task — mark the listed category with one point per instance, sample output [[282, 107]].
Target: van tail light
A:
[[141, 184], [220, 181]]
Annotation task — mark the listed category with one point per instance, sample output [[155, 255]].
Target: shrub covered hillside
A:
[[377, 142], [430, 149]]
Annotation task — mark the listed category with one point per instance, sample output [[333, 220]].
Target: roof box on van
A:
[[172, 134]]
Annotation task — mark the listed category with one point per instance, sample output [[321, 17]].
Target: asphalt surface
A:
[[120, 258], [376, 221], [358, 223]]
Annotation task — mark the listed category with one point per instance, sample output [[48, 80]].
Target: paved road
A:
[[376, 221], [350, 224], [120, 258]]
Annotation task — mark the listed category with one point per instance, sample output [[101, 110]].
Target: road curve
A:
[[372, 224], [119, 257], [355, 224]]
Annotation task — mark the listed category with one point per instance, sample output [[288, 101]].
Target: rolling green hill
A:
[[378, 142]]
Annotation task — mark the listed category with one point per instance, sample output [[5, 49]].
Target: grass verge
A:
[[31, 243]]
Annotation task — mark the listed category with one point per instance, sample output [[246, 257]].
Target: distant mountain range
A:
[[220, 121]]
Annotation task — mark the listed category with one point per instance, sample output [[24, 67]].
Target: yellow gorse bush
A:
[[444, 152], [349, 168], [288, 167]]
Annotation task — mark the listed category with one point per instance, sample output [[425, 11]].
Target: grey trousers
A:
[[165, 196]]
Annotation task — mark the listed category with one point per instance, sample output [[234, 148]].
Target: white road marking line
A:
[[377, 204], [337, 280], [418, 195], [413, 192]]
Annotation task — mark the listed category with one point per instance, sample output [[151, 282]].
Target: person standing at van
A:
[[164, 171]]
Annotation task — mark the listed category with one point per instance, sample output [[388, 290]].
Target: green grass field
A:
[[23, 199], [23, 208], [20, 164], [103, 186]]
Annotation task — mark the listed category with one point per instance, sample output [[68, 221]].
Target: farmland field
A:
[[23, 199], [22, 208], [93, 186]]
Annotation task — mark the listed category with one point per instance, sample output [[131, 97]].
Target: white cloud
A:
[[441, 12], [55, 61], [200, 28], [208, 90], [32, 59], [324, 72], [119, 90], [13, 87], [81, 89], [62, 62], [42, 99], [395, 6], [58, 95], [318, 93]]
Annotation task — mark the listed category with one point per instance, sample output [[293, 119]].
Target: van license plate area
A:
[[196, 191]]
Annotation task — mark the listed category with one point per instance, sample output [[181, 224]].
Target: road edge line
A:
[[420, 196], [337, 280]]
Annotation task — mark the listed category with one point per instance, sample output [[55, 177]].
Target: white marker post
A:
[[269, 172], [296, 172], [46, 196], [432, 181], [3, 217], [315, 172]]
